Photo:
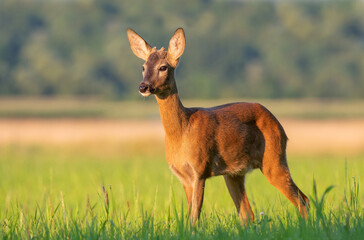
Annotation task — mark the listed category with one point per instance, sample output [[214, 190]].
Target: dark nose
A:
[[143, 87]]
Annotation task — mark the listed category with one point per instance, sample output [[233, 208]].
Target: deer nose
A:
[[143, 87]]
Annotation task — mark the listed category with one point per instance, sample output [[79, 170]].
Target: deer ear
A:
[[176, 47], [138, 45]]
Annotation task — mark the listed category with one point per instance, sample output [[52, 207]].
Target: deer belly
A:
[[236, 166], [239, 153]]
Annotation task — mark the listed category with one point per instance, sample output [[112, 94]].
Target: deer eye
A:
[[163, 68], [143, 68]]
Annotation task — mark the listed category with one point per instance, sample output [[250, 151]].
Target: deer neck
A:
[[173, 114]]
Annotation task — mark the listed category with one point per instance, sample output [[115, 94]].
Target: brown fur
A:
[[227, 140]]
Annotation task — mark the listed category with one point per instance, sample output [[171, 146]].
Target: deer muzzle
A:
[[146, 89]]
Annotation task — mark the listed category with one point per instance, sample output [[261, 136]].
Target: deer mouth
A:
[[145, 94]]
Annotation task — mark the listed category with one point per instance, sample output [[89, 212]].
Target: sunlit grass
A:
[[78, 192]]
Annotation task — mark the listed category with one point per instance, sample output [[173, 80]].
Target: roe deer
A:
[[227, 140]]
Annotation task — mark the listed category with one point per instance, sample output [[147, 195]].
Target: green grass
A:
[[147, 108], [80, 192]]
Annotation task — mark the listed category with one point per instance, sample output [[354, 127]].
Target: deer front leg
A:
[[188, 190], [197, 199]]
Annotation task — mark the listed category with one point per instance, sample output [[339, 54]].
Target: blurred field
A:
[[336, 136], [312, 126], [146, 108]]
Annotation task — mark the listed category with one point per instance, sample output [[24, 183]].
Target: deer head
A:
[[159, 66]]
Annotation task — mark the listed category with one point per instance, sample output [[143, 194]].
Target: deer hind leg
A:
[[275, 169], [235, 185]]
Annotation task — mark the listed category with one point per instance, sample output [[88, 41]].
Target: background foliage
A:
[[234, 48]]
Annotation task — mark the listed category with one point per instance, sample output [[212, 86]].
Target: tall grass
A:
[[49, 193], [54, 220]]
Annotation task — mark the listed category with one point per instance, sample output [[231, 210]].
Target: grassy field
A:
[[124, 192], [78, 179]]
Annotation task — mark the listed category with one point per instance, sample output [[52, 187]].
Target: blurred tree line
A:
[[257, 49]]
